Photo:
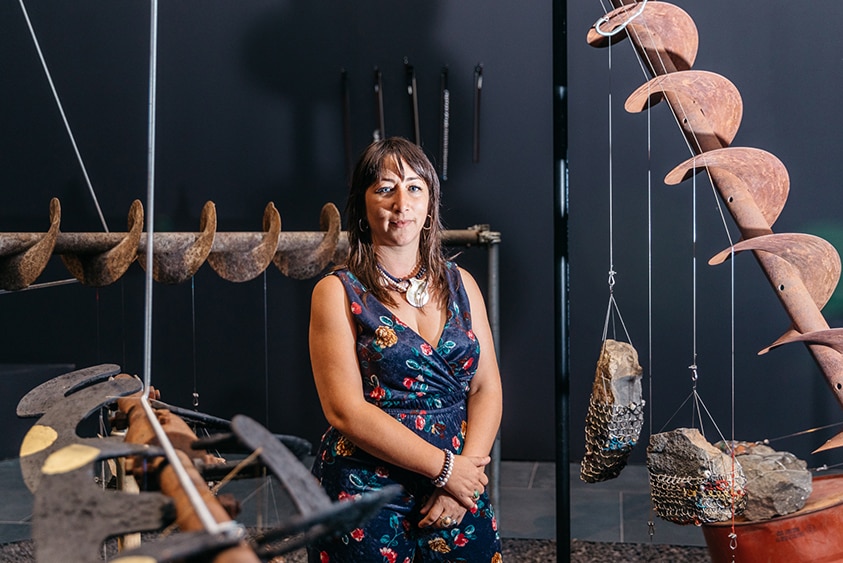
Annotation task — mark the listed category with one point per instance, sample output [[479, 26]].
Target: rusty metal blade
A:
[[305, 491], [39, 399], [105, 268], [708, 106], [185, 546], [814, 259], [753, 175], [176, 260], [317, 516], [72, 516], [19, 269], [301, 263], [833, 338], [57, 428], [783, 339], [662, 30], [245, 266], [832, 443]]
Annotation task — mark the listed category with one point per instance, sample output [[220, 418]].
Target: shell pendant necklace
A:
[[414, 286]]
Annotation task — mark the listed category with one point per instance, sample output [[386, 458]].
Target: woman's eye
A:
[[383, 189]]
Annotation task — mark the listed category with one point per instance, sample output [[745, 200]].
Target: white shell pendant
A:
[[417, 294]]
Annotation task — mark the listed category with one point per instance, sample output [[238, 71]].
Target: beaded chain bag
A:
[[615, 412]]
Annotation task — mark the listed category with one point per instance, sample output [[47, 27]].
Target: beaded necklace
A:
[[414, 286]]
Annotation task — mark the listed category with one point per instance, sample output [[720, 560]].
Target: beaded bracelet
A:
[[447, 468]]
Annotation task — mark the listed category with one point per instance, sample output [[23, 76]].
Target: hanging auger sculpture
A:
[[100, 259], [802, 269], [73, 515]]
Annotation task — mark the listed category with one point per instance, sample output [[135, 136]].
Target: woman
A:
[[395, 343]]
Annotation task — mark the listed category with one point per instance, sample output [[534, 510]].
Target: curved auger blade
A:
[[19, 267], [806, 259], [57, 428], [175, 259], [783, 339], [317, 515], [72, 516], [241, 266], [753, 175], [833, 338], [104, 268], [662, 30], [40, 398], [835, 442], [708, 107], [302, 263]]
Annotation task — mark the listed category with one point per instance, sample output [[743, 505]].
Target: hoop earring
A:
[[362, 226], [429, 223]]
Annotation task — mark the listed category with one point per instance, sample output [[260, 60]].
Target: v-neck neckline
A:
[[448, 316]]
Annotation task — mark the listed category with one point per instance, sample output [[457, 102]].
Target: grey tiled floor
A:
[[613, 511]]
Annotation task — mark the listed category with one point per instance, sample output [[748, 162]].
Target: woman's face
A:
[[397, 205]]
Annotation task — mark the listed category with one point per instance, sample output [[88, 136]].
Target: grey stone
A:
[[778, 483], [692, 481]]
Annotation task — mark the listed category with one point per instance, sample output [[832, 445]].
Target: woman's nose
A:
[[401, 202]]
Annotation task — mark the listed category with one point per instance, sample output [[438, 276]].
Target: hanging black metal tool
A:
[[478, 87], [379, 132], [412, 92], [444, 122]]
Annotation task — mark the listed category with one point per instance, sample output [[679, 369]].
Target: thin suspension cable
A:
[[650, 263], [42, 285], [63, 115], [693, 366], [612, 308], [193, 341], [266, 349], [698, 403], [611, 176], [200, 508]]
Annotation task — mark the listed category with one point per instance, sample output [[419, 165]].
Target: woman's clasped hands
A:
[[448, 504]]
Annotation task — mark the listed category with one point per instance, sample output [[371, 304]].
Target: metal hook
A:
[[605, 19], [612, 273]]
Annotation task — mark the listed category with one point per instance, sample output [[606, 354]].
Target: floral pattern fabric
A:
[[424, 386]]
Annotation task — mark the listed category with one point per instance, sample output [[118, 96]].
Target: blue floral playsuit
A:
[[424, 387]]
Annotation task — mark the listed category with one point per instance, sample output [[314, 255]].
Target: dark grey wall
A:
[[249, 112], [785, 60]]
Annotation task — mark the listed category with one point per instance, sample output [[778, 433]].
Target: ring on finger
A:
[[476, 495], [447, 520]]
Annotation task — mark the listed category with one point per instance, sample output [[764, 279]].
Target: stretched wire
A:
[[698, 400], [63, 115], [200, 508]]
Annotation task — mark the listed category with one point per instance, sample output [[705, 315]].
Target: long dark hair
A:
[[362, 261]]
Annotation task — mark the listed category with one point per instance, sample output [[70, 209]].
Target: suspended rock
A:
[[692, 481], [778, 483], [615, 412]]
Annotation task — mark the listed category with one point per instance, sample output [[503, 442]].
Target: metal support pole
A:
[[493, 308]]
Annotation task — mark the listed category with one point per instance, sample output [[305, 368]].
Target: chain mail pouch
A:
[[615, 412], [691, 481]]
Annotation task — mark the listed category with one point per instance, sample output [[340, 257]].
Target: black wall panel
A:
[[249, 112]]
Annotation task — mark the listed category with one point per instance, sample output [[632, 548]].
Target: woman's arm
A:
[[485, 398], [340, 388], [485, 405]]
